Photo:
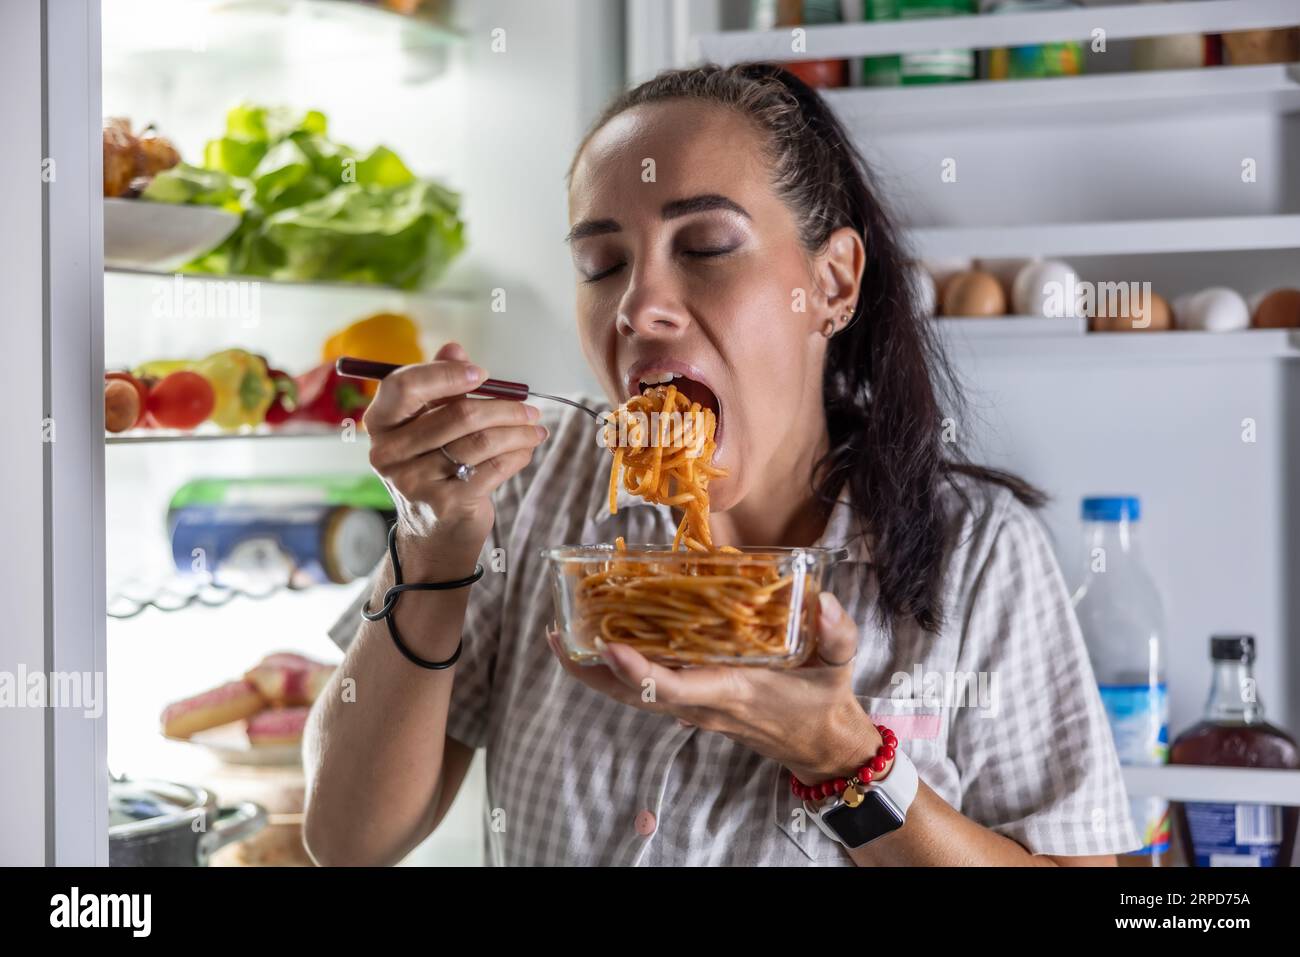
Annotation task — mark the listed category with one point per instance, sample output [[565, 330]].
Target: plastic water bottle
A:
[[1122, 618]]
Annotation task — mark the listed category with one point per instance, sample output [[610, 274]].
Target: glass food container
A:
[[752, 606]]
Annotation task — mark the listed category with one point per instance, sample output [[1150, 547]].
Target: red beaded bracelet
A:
[[852, 788]]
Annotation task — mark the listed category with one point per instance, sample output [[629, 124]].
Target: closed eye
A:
[[603, 273], [709, 253]]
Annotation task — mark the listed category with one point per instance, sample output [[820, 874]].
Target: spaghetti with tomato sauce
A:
[[681, 610]]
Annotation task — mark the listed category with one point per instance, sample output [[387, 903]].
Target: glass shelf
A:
[[261, 433], [437, 295]]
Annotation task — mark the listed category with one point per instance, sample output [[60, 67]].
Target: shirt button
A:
[[645, 823]]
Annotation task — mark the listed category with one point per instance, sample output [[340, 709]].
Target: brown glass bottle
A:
[[1234, 734]]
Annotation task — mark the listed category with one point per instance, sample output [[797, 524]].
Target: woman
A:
[[722, 227]]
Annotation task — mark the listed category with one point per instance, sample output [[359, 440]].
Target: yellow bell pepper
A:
[[243, 387], [161, 368], [383, 337]]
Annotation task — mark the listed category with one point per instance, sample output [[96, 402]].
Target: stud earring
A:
[[829, 330]]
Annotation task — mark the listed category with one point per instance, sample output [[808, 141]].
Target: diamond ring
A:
[[463, 472]]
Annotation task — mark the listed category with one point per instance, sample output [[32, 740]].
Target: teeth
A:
[[659, 378]]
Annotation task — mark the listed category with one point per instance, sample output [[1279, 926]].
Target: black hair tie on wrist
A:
[[396, 591]]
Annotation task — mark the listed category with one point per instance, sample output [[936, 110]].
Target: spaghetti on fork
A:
[[659, 464]]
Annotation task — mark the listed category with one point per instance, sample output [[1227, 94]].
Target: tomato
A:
[[181, 400]]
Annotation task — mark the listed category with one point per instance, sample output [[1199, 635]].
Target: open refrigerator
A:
[[1119, 171], [459, 93]]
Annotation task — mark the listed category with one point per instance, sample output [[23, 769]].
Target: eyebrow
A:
[[671, 210]]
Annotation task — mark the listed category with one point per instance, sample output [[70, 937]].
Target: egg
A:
[[923, 289], [1155, 316], [1261, 46], [974, 293], [1046, 289], [1005, 269], [1279, 309], [1179, 51], [941, 270], [1217, 309]]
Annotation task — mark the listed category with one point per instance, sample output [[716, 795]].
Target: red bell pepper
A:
[[326, 396], [285, 403]]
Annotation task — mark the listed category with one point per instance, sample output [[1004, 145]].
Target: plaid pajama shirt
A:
[[1020, 745]]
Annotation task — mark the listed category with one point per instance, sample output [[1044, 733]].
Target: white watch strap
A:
[[900, 785], [901, 782]]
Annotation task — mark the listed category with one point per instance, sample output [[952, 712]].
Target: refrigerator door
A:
[[54, 802]]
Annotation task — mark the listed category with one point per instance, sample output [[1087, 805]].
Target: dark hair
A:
[[886, 381]]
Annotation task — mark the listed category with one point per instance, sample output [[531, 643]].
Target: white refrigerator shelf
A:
[[1114, 238], [1231, 785], [1120, 22], [1013, 337], [982, 105]]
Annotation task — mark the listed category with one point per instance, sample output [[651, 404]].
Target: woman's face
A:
[[688, 262]]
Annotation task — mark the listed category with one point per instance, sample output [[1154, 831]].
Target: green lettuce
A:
[[193, 184], [315, 209]]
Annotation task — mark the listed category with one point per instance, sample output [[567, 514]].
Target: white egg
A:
[[1046, 289], [1217, 309], [927, 296]]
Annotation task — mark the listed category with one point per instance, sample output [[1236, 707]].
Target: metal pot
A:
[[161, 824]]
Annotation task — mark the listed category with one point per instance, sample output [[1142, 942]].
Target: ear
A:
[[838, 270]]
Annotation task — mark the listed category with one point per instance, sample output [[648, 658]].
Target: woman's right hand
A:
[[418, 410]]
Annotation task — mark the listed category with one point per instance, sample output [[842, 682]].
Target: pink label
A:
[[909, 725]]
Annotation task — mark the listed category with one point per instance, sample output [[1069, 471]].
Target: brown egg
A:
[[973, 293], [1158, 311], [1261, 46], [1280, 309]]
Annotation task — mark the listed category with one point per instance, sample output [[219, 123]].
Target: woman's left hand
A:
[[806, 718]]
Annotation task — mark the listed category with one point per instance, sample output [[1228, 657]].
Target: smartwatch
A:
[[882, 809]]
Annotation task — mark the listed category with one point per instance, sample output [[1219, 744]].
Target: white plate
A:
[[229, 743], [140, 234]]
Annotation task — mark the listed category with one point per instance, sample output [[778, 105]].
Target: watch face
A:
[[875, 817]]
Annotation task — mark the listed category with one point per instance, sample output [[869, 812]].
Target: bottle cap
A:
[[1232, 648], [1111, 508]]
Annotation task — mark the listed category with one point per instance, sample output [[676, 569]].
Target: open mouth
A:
[[693, 390]]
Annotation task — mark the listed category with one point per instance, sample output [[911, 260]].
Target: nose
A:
[[650, 308]]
